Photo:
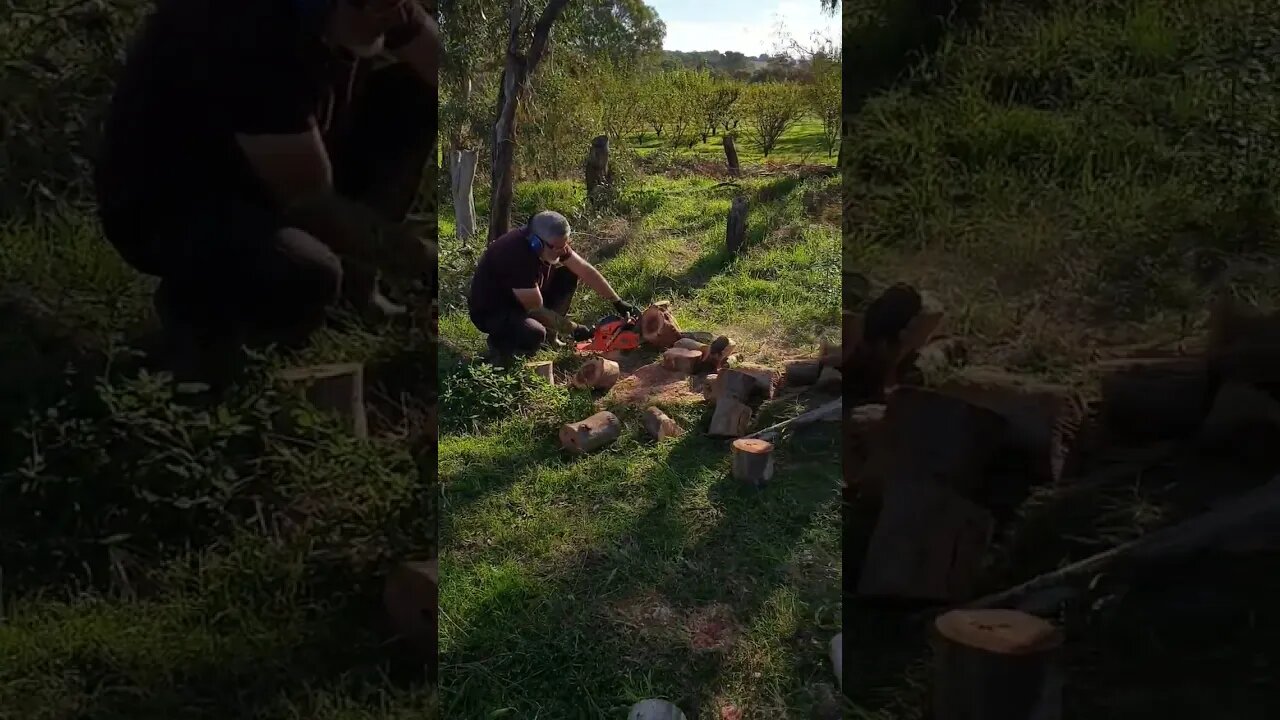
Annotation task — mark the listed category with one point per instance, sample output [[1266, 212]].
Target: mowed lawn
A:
[[573, 587]]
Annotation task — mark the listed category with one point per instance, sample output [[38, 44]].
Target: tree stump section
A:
[[801, 372], [658, 327], [659, 425], [752, 461], [544, 369], [927, 435], [597, 170], [830, 380], [733, 384], [996, 665], [766, 379], [731, 155], [928, 544], [681, 360], [410, 596], [591, 434], [736, 227], [1042, 418], [719, 351], [691, 344], [337, 389], [1155, 398], [597, 373], [732, 418]]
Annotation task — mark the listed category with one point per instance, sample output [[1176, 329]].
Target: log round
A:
[[752, 461], [591, 434], [597, 373], [660, 425], [801, 372], [691, 344], [719, 352], [681, 360], [996, 665], [731, 418], [658, 327]]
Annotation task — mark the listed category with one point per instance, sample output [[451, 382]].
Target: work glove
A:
[[581, 333], [625, 308]]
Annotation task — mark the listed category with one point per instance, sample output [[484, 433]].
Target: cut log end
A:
[[996, 664], [597, 373], [658, 328], [681, 360], [591, 434], [752, 461], [999, 631]]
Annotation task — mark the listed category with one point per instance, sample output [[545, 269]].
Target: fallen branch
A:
[[1193, 534], [835, 407]]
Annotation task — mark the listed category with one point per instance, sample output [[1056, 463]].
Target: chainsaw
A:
[[612, 333]]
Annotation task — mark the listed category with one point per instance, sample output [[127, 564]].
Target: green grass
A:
[[801, 143], [250, 552], [1070, 179], [570, 586]]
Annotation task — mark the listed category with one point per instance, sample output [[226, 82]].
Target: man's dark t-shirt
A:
[[201, 71], [507, 264]]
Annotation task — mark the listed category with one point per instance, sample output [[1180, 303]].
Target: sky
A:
[[747, 26]]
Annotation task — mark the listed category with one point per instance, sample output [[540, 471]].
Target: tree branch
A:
[[542, 32]]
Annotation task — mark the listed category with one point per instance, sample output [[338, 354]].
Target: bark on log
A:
[[928, 435], [597, 373], [731, 155], [719, 351], [544, 369], [681, 360], [591, 434], [766, 378], [660, 425], [1042, 418], [410, 597], [928, 543], [801, 372], [597, 169], [996, 665], [658, 327], [336, 388], [752, 461], [1155, 398], [736, 227], [731, 418], [735, 385]]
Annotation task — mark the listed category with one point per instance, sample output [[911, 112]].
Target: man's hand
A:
[[625, 308]]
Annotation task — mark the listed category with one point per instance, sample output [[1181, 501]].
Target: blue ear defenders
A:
[[535, 243]]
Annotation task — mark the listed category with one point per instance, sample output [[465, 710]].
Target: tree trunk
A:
[[731, 155], [591, 434], [597, 171], [996, 665], [736, 228], [752, 461], [462, 175], [519, 67]]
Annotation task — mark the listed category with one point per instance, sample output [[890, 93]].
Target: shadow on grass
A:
[[556, 640]]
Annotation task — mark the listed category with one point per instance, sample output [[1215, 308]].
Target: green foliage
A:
[[474, 396], [769, 110], [822, 95]]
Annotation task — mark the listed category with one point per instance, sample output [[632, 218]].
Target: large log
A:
[[1160, 398], [732, 418], [658, 327], [927, 434], [752, 461], [736, 227], [996, 665], [591, 434], [928, 543], [1042, 418], [597, 373], [337, 389], [597, 168], [731, 155], [660, 425]]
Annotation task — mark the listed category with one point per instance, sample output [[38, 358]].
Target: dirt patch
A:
[[712, 628], [653, 384], [648, 614]]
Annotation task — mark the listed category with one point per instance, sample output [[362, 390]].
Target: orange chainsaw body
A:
[[610, 335]]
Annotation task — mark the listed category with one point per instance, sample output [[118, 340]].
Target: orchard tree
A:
[[722, 95], [823, 97], [770, 109]]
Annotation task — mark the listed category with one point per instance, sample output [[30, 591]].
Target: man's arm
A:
[[591, 276], [416, 42]]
